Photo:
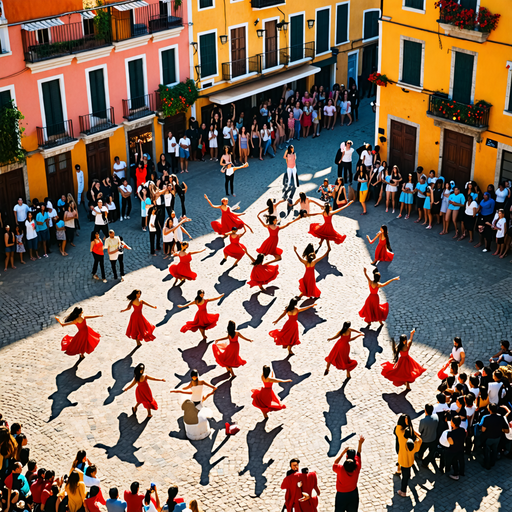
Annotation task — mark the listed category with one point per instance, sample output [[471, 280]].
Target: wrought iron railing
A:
[[55, 134], [97, 121], [241, 67], [135, 108], [476, 115], [261, 4], [301, 51]]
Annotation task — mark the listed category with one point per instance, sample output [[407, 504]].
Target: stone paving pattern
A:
[[447, 288]]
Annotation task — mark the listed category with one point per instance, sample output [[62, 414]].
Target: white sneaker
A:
[[485, 250], [104, 280], [127, 217], [121, 219]]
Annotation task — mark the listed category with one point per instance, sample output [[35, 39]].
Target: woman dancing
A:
[[269, 246], [203, 320], [404, 369], [339, 355], [264, 398], [325, 231], [227, 355], [235, 249], [262, 273], [173, 233], [288, 336], [383, 251], [181, 271], [305, 203], [228, 220], [143, 394], [138, 327], [196, 389], [85, 340], [372, 310], [307, 285]]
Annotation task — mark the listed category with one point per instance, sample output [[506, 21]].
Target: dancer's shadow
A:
[[269, 290], [122, 373], [204, 450], [67, 382], [336, 417], [175, 296], [224, 403], [129, 431], [227, 285], [399, 404], [324, 269], [215, 245], [258, 443], [309, 319], [194, 359], [283, 368], [256, 310], [371, 342]]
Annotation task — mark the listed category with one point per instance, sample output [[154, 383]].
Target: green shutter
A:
[[468, 4], [169, 66], [205, 3], [341, 23], [5, 98], [323, 19], [208, 54], [97, 88], [371, 24], [463, 77], [135, 70], [297, 37], [415, 4], [52, 102], [411, 63]]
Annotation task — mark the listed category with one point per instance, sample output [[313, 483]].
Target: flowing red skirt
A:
[[339, 356], [266, 400], [269, 247], [405, 370], [144, 396], [139, 328], [288, 335], [227, 222], [202, 320], [373, 311], [326, 232], [307, 285], [382, 253], [263, 274], [83, 342], [182, 270], [234, 251], [228, 356]]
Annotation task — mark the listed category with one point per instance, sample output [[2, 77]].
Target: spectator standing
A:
[[80, 185], [20, 213], [31, 235], [184, 149], [114, 504], [409, 442], [126, 199], [346, 161], [43, 232], [428, 431], [10, 247], [112, 244], [97, 253], [493, 426], [100, 213], [172, 151], [193, 134], [455, 454]]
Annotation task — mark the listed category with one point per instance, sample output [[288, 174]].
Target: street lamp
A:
[[260, 32], [311, 23], [198, 72], [223, 39], [285, 26], [194, 44]]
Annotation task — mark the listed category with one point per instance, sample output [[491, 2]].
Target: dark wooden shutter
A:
[[5, 98], [415, 4], [97, 87], [208, 51], [238, 53], [463, 77], [297, 37], [169, 66], [271, 50], [510, 98], [468, 4], [52, 102], [322, 31], [341, 23], [136, 73], [205, 3], [411, 63], [371, 24]]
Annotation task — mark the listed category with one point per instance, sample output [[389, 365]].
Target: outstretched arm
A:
[[334, 212], [288, 223], [323, 256], [390, 281], [249, 256], [360, 445], [155, 379], [210, 203], [63, 324], [366, 275], [409, 343], [243, 337], [283, 314], [314, 201], [148, 305], [259, 218], [300, 310], [130, 386], [93, 316], [130, 304], [373, 240], [186, 305], [277, 381], [216, 298], [197, 252], [298, 256], [340, 456]]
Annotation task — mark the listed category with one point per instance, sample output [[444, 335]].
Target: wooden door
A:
[[457, 157], [403, 148], [177, 126], [238, 60], [12, 187], [59, 176], [271, 49], [98, 160]]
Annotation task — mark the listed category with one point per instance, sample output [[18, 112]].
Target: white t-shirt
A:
[[329, 110], [347, 156], [119, 169], [152, 222], [113, 243], [21, 212], [31, 229], [170, 148], [443, 440], [500, 224], [98, 217], [456, 353], [229, 171], [226, 132], [475, 391], [70, 223], [367, 158], [265, 135], [168, 199], [126, 189], [469, 209], [494, 391], [51, 214], [213, 139], [440, 408], [185, 141], [80, 181], [501, 195], [111, 206]]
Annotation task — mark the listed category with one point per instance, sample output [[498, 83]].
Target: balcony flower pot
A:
[[378, 79], [470, 35]]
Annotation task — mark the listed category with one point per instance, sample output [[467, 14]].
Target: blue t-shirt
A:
[[459, 199], [474, 195], [116, 505], [143, 211], [60, 224], [487, 207], [421, 187], [41, 218]]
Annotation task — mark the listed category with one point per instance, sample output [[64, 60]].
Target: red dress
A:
[[406, 369], [372, 310], [138, 327], [265, 399], [182, 269], [309, 483], [269, 246], [289, 334], [263, 274], [144, 396], [325, 231], [382, 253], [83, 342], [307, 285], [235, 249], [339, 356], [202, 320], [229, 355], [228, 221]]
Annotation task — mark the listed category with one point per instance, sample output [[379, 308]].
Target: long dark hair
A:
[[172, 492], [266, 371], [74, 479], [405, 422], [292, 304], [231, 329], [402, 341], [376, 275], [270, 219], [138, 371], [344, 329], [73, 315], [133, 295], [259, 259], [270, 205], [303, 197], [327, 207], [198, 296], [309, 253], [386, 236]]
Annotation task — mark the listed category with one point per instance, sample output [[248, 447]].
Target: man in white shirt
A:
[[346, 162], [184, 149], [20, 213], [172, 151], [126, 199], [119, 169], [100, 214], [112, 244], [79, 185]]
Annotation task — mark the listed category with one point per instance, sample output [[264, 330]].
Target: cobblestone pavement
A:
[[447, 288]]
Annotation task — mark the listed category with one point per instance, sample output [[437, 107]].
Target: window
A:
[[506, 166], [468, 4], [463, 77], [52, 103], [342, 19], [5, 98], [508, 96], [43, 36], [4, 32], [415, 4], [168, 63], [88, 27], [323, 32], [412, 56], [371, 24], [208, 54], [97, 89], [206, 4], [297, 37], [136, 77]]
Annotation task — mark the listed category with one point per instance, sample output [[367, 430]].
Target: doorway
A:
[[353, 68], [402, 151], [137, 139], [98, 160], [12, 187], [457, 157], [271, 44], [324, 77], [238, 60], [59, 176]]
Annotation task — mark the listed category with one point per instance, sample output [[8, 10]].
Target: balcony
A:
[[60, 41], [55, 135], [274, 58], [473, 119], [137, 108], [301, 52], [262, 4], [91, 124], [241, 67]]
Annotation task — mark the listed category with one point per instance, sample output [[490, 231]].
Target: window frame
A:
[[199, 34], [5, 43], [294, 15], [199, 8], [174, 47], [401, 63], [105, 82], [324, 8], [413, 9], [454, 50], [336, 43], [145, 74], [375, 38], [508, 91], [10, 88], [247, 56], [40, 82]]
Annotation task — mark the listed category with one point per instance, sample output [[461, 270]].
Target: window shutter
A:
[[205, 3], [371, 24], [468, 4], [322, 31], [510, 98], [415, 4], [168, 67], [52, 102], [411, 63], [463, 77], [341, 23], [297, 37], [97, 87], [5, 98], [136, 78], [208, 51]]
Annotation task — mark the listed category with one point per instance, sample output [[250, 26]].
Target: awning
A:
[[131, 5], [88, 15], [326, 62], [39, 25], [229, 95]]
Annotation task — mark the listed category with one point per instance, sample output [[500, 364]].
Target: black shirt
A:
[[458, 436], [494, 425]]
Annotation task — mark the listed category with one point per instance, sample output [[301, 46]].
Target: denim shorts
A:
[[44, 235], [184, 153]]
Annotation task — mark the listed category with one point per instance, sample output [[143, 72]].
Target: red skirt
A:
[[288, 336], [202, 320], [326, 232], [182, 270], [269, 247], [83, 342], [339, 356], [382, 253], [405, 370], [307, 285], [229, 356], [373, 311], [144, 396], [263, 274], [266, 400], [139, 328], [234, 251]]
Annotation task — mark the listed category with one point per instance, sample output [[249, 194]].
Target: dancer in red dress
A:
[[308, 502], [85, 340], [372, 310], [138, 327], [143, 394], [288, 336], [182, 271], [227, 355], [404, 369], [264, 398], [203, 320], [228, 220], [339, 356], [307, 285], [325, 231], [235, 249], [262, 273], [383, 251]]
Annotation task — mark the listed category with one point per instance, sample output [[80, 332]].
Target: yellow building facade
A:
[[436, 110]]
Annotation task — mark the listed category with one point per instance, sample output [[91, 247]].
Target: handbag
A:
[[199, 146]]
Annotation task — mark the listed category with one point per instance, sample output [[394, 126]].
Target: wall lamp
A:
[[198, 71], [311, 23], [260, 32], [283, 25], [194, 44], [223, 39]]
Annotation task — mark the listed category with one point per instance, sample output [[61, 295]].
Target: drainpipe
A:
[[379, 64], [191, 50]]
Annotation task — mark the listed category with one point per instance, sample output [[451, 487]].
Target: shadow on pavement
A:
[[194, 359], [336, 417], [256, 310], [371, 343], [310, 319], [283, 370], [399, 404], [122, 373], [174, 295], [324, 269], [224, 403], [215, 246], [227, 285]]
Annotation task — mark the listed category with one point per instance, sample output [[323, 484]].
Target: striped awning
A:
[[131, 5], [88, 15], [39, 25]]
